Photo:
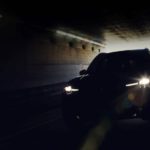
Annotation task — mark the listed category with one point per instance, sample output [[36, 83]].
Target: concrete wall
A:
[[32, 57]]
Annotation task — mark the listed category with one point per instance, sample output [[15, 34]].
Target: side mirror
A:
[[83, 72]]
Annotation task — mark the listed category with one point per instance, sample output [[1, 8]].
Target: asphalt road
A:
[[46, 130]]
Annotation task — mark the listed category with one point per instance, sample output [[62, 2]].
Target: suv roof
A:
[[115, 60], [146, 50]]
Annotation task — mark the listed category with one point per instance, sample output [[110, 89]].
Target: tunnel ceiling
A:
[[90, 19]]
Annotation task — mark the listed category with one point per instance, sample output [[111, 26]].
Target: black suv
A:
[[116, 84]]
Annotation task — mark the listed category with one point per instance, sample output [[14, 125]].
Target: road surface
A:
[[41, 127]]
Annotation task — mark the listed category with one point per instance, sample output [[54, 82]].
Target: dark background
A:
[[32, 118], [88, 16]]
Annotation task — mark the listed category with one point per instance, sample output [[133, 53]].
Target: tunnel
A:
[[41, 51]]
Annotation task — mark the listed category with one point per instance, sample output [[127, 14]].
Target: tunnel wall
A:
[[33, 57]]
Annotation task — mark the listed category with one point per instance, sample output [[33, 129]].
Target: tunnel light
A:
[[69, 89], [79, 38]]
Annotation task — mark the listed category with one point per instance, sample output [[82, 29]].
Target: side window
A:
[[96, 64]]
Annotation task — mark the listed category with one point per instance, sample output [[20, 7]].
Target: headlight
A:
[[70, 89], [142, 82]]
